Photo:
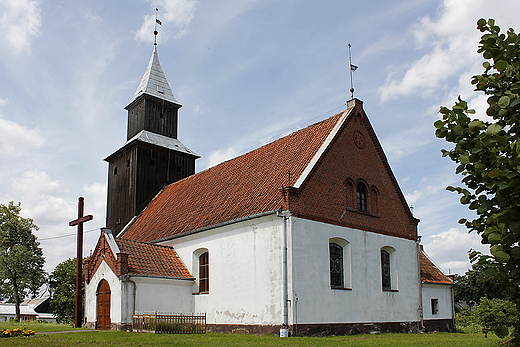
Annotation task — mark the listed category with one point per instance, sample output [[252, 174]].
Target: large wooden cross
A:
[[79, 259]]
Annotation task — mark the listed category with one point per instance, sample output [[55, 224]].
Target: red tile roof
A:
[[152, 260], [431, 273], [240, 187]]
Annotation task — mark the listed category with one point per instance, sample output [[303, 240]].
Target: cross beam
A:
[[79, 259]]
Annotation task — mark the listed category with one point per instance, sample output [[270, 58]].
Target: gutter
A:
[[237, 220], [163, 277]]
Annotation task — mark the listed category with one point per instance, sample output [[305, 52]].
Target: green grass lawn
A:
[[116, 338], [38, 327]]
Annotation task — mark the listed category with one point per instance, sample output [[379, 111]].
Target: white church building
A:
[[310, 231]]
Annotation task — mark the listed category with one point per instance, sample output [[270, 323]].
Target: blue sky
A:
[[246, 72]]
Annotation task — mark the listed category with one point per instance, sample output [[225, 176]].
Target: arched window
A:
[[361, 190], [385, 270], [336, 265], [204, 273]]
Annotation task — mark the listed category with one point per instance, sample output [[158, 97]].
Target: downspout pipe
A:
[[127, 278], [420, 309], [279, 213]]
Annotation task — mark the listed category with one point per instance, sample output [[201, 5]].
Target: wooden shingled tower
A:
[[152, 156]]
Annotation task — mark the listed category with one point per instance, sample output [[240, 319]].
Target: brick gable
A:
[[136, 258], [101, 252], [328, 193]]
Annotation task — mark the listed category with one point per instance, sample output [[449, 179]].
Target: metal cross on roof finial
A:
[[352, 69], [155, 32]]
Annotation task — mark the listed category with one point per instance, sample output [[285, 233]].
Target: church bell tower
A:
[[152, 156]]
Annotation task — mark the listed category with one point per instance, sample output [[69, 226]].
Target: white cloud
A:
[[453, 39], [43, 199], [413, 197], [97, 194], [219, 156], [452, 246], [178, 13], [20, 22], [17, 140]]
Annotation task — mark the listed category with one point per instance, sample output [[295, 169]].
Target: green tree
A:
[[21, 258], [62, 285], [471, 287], [488, 154], [492, 313]]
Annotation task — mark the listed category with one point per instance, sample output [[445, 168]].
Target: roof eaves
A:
[[158, 276], [237, 220]]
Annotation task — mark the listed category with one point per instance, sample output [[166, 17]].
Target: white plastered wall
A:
[[162, 295], [103, 272], [441, 292], [365, 301], [152, 294], [245, 271]]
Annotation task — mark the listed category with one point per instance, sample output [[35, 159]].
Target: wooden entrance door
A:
[[103, 305]]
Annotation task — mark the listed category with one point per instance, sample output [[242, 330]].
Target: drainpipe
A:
[[284, 242], [135, 287], [420, 309]]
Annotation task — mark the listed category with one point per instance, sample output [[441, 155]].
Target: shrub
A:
[[492, 313], [465, 317]]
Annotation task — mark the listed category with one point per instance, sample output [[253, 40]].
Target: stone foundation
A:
[[243, 329], [354, 328], [320, 329], [445, 325], [121, 326], [113, 326]]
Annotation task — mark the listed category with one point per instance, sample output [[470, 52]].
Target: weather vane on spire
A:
[[352, 69], [155, 32]]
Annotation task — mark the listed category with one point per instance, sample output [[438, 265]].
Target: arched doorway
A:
[[103, 305]]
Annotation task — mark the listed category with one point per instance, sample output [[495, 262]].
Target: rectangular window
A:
[[435, 306]]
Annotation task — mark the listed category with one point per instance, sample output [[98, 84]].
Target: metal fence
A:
[[169, 323]]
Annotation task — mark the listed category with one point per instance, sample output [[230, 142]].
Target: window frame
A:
[[389, 284], [345, 266], [204, 273], [361, 197], [434, 302], [386, 271], [336, 271]]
